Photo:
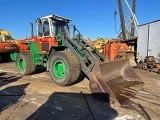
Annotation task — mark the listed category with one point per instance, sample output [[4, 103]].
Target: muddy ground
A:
[[36, 97]]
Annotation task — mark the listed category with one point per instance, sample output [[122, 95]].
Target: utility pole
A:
[[132, 18], [122, 19]]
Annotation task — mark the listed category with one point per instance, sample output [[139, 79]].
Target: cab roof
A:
[[56, 17]]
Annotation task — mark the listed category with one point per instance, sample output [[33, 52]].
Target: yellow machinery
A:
[[6, 36], [98, 43]]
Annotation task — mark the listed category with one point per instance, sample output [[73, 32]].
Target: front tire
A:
[[64, 68], [24, 63]]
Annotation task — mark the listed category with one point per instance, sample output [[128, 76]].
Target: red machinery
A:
[[112, 49], [120, 50]]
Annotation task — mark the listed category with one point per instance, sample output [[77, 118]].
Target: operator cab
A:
[[6, 38], [51, 25]]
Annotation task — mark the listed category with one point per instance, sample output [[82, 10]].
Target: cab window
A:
[[46, 28], [8, 38], [40, 30], [0, 38]]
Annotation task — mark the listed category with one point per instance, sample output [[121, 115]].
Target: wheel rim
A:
[[21, 64], [59, 69]]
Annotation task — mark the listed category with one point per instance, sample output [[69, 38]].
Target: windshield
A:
[[40, 29], [46, 28], [8, 38], [59, 26], [43, 29], [0, 38]]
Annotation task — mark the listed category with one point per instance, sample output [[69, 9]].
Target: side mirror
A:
[[74, 28]]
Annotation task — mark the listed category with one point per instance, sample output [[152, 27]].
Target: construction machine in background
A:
[[121, 50], [65, 58], [142, 50], [98, 43], [125, 46], [7, 45]]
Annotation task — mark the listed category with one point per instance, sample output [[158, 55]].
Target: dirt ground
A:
[[36, 97]]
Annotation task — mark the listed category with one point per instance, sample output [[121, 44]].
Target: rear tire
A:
[[64, 68], [24, 63]]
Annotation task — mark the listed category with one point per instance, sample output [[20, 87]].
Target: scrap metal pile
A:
[[150, 63], [116, 49]]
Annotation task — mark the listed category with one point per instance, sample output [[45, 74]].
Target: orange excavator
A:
[[7, 45]]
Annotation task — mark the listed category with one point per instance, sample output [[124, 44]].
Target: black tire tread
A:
[[76, 67], [72, 63], [30, 67]]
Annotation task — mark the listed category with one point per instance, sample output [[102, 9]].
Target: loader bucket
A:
[[116, 80]]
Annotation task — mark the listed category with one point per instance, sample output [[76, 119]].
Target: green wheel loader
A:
[[65, 58]]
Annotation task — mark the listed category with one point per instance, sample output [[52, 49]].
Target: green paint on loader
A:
[[36, 53], [21, 64], [59, 69], [13, 56]]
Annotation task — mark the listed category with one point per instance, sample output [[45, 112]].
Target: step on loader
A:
[[65, 58]]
